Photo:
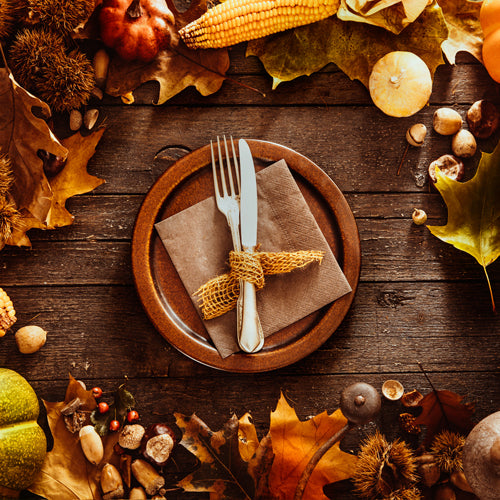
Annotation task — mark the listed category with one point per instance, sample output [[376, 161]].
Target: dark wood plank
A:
[[390, 327], [360, 148]]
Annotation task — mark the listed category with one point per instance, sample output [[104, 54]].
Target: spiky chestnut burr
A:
[[31, 52], [8, 14], [10, 218], [60, 15], [385, 470], [447, 449], [67, 83]]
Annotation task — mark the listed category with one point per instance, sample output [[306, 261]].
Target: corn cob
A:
[[7, 313], [235, 21]]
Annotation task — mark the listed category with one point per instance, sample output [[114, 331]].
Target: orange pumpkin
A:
[[137, 30], [490, 23]]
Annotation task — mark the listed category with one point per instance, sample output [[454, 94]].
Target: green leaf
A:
[[474, 212], [118, 409], [354, 47]]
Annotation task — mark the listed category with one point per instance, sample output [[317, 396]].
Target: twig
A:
[[318, 455], [402, 159]]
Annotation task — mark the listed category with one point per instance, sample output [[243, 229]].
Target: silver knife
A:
[[250, 336]]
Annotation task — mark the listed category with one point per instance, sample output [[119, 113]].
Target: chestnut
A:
[[157, 443], [483, 119]]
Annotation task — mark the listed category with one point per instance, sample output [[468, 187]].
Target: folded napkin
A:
[[198, 241]]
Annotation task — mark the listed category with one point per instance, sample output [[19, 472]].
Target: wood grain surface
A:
[[419, 300]]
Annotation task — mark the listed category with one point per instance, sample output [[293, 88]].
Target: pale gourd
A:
[[400, 84], [22, 441]]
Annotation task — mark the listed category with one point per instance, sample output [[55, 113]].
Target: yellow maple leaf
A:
[[295, 442]]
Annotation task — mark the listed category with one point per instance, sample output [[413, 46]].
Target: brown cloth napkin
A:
[[198, 241]]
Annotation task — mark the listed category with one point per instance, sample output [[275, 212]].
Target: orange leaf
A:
[[248, 441], [66, 473], [445, 410], [295, 442]]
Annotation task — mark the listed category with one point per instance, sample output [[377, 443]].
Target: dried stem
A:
[[491, 290], [306, 474], [435, 391]]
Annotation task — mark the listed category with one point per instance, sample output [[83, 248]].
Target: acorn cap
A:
[[481, 458], [360, 403]]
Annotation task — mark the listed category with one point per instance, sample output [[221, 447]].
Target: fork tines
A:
[[230, 166]]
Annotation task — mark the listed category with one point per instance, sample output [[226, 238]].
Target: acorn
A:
[[60, 15], [67, 82], [31, 52]]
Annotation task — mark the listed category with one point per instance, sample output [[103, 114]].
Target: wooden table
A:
[[419, 300]]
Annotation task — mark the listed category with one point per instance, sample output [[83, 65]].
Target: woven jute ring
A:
[[220, 294]]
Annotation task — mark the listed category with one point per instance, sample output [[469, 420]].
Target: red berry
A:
[[96, 392], [132, 415], [103, 407], [114, 425]]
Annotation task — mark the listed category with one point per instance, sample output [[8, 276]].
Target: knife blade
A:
[[250, 335], [248, 198]]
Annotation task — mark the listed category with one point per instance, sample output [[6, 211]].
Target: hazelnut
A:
[[157, 443], [419, 217], [30, 338], [463, 144], [131, 436], [415, 135], [446, 121], [449, 165], [392, 389], [483, 119]]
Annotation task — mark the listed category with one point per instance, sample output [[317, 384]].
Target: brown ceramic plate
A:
[[168, 305]]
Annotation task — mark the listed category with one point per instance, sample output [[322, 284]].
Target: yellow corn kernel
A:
[[235, 21], [7, 313]]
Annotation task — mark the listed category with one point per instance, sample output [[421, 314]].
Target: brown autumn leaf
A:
[[464, 29], [175, 68], [443, 409], [295, 442], [73, 179], [66, 473], [222, 472], [22, 134]]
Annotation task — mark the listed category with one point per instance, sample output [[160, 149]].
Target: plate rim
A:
[[200, 351]]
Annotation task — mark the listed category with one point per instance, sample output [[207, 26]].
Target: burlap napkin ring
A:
[[220, 294]]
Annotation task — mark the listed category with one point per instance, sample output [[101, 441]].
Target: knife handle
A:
[[251, 337]]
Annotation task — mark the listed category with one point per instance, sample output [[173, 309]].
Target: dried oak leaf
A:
[[444, 410], [354, 47], [474, 212], [22, 135], [222, 471], [66, 473], [175, 68], [294, 442], [462, 19], [73, 178], [248, 441]]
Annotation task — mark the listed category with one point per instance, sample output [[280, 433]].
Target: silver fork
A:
[[229, 204]]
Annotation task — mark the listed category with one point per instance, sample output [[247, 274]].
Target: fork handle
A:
[[251, 337]]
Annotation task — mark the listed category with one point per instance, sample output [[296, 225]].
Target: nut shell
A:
[[131, 436], [449, 165], [392, 389], [157, 443]]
